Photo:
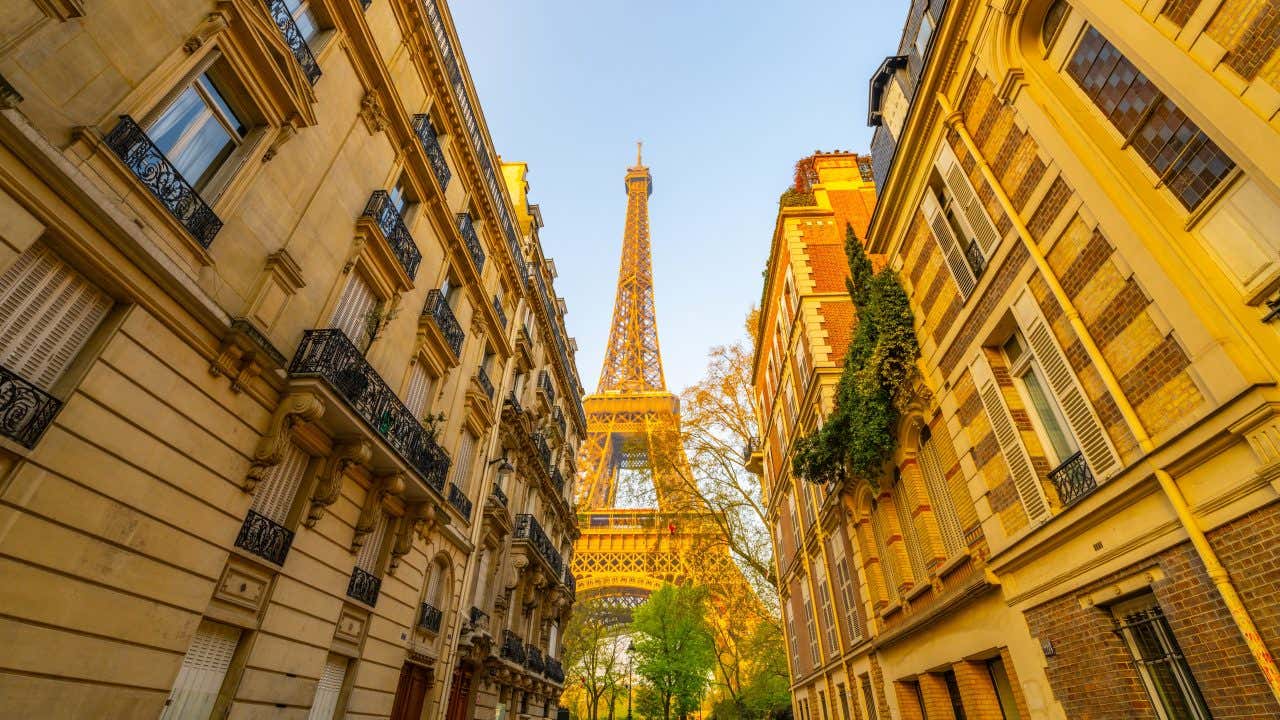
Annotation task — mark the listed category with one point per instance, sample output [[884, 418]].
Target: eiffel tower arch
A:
[[632, 541]]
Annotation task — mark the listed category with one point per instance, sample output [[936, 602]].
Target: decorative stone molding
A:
[[329, 484], [296, 408], [244, 353], [9, 97], [61, 10], [283, 135], [212, 24], [372, 113], [389, 484], [419, 519]]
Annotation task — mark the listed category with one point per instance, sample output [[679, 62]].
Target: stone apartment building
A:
[[1082, 200], [288, 411]]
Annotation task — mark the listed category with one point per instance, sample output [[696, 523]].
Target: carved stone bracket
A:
[[329, 484], [283, 135], [213, 24], [372, 113], [298, 407], [418, 519], [389, 484]]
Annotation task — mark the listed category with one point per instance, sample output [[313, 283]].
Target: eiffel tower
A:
[[633, 541]]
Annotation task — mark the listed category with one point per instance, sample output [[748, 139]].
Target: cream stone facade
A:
[[288, 410]]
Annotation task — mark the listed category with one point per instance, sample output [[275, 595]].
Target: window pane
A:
[[1085, 54], [1135, 102], [223, 106], [1115, 85], [1199, 171], [192, 138], [1046, 412], [304, 19]]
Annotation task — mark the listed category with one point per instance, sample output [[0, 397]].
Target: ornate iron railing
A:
[[468, 229], [329, 355], [482, 377], [431, 146], [364, 587], [497, 308], [514, 402], [544, 384], [544, 450], [570, 581], [479, 619], [525, 336], [977, 261], [557, 480], [429, 618], [134, 148], [554, 671], [445, 320], [1073, 479], [293, 38], [500, 495], [557, 417], [384, 213], [26, 411], [459, 500], [265, 538], [527, 528], [512, 647], [533, 659]]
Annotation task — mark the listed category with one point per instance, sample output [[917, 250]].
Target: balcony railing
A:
[[525, 336], [977, 261], [557, 417], [130, 143], [554, 671], [438, 308], [570, 581], [514, 402], [497, 308], [429, 618], [459, 500], [431, 146], [545, 386], [26, 411], [533, 659], [527, 528], [474, 248], [293, 38], [500, 495], [557, 480], [544, 450], [364, 587], [329, 355], [482, 378], [265, 538], [385, 214], [512, 647], [1073, 479]]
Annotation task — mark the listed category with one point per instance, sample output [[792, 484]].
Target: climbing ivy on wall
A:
[[860, 434]]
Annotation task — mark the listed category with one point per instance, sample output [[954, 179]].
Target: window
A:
[[809, 623], [450, 290], [845, 579], [791, 635], [371, 551], [304, 18], [924, 34], [1159, 660], [1025, 480], [1004, 689], [274, 497], [1045, 413], [935, 481], [200, 129], [401, 197], [325, 704], [844, 701], [48, 311], [202, 673], [1181, 155], [905, 504], [868, 696], [953, 693], [822, 704], [828, 615], [462, 464], [888, 567], [1053, 18], [417, 396], [356, 312]]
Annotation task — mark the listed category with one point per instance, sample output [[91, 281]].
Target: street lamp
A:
[[630, 654]]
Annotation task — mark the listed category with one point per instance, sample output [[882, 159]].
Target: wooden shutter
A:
[[888, 566], [204, 667], [351, 316], [415, 397], [1015, 454], [274, 496], [1085, 425], [975, 215], [47, 313], [828, 616], [952, 252], [904, 501], [367, 558], [328, 688]]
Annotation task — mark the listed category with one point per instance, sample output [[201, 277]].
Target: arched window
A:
[[1053, 18], [888, 567], [935, 482], [437, 582], [905, 503]]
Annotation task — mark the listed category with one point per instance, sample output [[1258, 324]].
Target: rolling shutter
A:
[[204, 667], [47, 313], [462, 466], [415, 397], [275, 496], [351, 316], [328, 688], [367, 558], [975, 215], [1015, 454], [951, 249]]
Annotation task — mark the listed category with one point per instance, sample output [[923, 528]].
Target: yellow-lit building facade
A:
[[1082, 201], [288, 409]]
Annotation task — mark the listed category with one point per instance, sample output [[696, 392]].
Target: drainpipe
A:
[[1217, 573]]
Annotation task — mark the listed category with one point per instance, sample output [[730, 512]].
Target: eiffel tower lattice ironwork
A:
[[627, 548]]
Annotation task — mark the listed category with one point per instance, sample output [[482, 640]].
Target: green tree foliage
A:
[[859, 436], [674, 649], [766, 690], [592, 655]]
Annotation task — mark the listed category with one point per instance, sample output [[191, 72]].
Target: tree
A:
[[673, 647], [591, 652]]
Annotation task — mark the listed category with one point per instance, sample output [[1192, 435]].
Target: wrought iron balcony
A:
[[26, 411], [512, 647], [977, 261], [570, 581], [533, 659], [497, 308], [545, 386], [500, 495], [1073, 479], [544, 450], [265, 538], [554, 671], [557, 417], [445, 320], [557, 480], [528, 529], [429, 618], [431, 146], [293, 38], [479, 619], [130, 143], [459, 500], [525, 336], [514, 402], [384, 213], [472, 241], [482, 378], [329, 355], [364, 587]]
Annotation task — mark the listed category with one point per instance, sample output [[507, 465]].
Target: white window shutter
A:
[[1015, 454], [203, 669], [951, 250], [975, 215], [328, 688], [274, 496], [47, 313], [462, 464], [351, 316], [367, 558], [419, 390]]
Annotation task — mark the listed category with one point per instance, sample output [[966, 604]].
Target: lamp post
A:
[[630, 654]]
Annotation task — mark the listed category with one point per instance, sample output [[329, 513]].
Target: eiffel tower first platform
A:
[[624, 551]]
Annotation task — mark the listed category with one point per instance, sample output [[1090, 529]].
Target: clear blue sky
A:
[[726, 96]]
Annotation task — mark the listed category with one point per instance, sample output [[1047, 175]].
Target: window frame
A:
[[1185, 682], [1026, 364]]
